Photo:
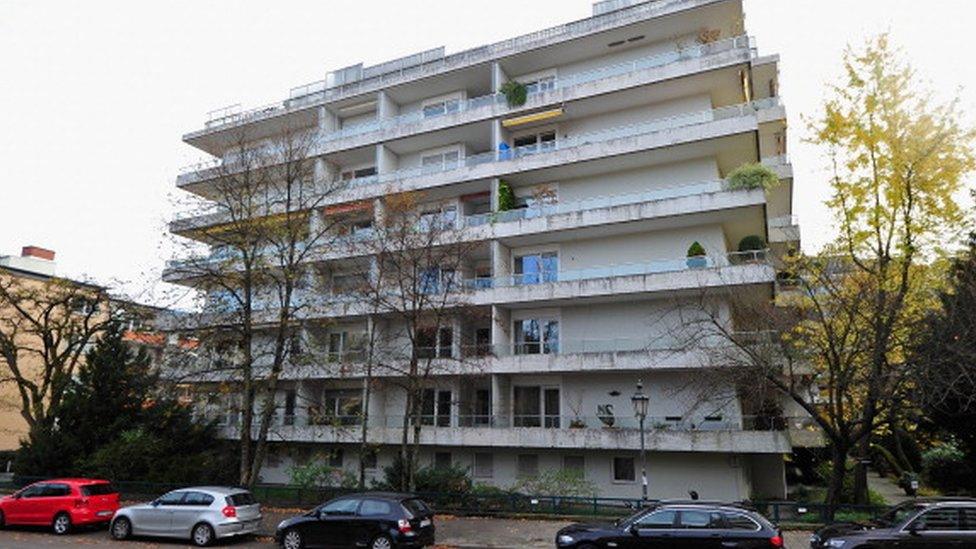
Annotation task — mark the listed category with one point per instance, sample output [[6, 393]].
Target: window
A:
[[103, 489], [540, 85], [661, 520], [738, 521], [335, 457], [33, 491], [534, 336], [701, 519], [969, 518], [528, 465], [347, 283], [440, 108], [623, 469], [375, 508], [198, 498], [171, 499], [435, 280], [295, 343], [945, 518], [342, 406], [55, 491], [361, 228], [370, 459], [240, 499], [416, 507], [439, 161], [442, 460], [340, 507], [574, 463], [537, 268], [437, 219], [533, 143], [435, 408], [290, 398], [484, 465], [536, 406], [435, 343], [358, 173]]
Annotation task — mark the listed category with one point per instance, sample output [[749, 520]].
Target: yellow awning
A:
[[534, 117]]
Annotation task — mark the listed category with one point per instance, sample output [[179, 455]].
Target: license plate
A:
[[103, 513], [425, 523]]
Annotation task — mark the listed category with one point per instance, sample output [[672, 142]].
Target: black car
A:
[[377, 520], [917, 524], [666, 525]]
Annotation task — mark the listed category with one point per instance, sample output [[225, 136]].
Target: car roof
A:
[[395, 496], [74, 480], [692, 504], [214, 490]]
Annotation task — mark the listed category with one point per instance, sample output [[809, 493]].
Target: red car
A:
[[61, 504]]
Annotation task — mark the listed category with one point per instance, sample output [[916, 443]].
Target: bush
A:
[[506, 197], [752, 243], [944, 465], [557, 482], [317, 473], [696, 250], [515, 93], [847, 490], [753, 176], [443, 480]]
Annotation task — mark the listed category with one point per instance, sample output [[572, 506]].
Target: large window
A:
[[484, 465], [623, 469], [536, 336], [358, 173], [435, 280], [528, 465], [440, 108], [342, 407], [536, 406], [435, 407], [547, 83], [533, 143], [537, 268], [661, 520], [437, 343], [944, 518], [440, 161]]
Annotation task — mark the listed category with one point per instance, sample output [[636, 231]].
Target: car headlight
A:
[[564, 539], [836, 542]]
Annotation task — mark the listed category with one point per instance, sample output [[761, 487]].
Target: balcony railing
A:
[[597, 202], [587, 138], [600, 73], [625, 269]]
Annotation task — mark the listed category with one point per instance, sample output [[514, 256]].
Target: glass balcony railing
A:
[[593, 203], [611, 271], [586, 138], [599, 73]]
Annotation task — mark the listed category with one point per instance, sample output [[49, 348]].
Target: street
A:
[[466, 532]]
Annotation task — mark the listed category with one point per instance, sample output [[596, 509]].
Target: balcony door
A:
[[436, 408], [536, 336], [536, 406], [536, 268]]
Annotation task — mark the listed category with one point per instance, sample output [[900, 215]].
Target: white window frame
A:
[[445, 100], [442, 153], [537, 133]]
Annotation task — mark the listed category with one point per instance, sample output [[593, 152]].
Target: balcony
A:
[[784, 228], [391, 74], [748, 435]]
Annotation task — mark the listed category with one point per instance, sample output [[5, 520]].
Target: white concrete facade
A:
[[641, 116]]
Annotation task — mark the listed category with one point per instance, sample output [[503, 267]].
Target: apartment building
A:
[[618, 160]]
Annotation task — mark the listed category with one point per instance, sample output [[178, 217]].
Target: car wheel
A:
[[292, 540], [121, 528], [61, 524], [381, 542], [203, 535]]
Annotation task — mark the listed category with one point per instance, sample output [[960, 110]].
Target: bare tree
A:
[[415, 288], [267, 201], [46, 325]]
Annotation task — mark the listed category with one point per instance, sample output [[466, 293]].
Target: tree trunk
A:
[[861, 471], [363, 442], [835, 485]]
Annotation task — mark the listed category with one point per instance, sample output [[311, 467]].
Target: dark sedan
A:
[[377, 520], [917, 524], [673, 525]]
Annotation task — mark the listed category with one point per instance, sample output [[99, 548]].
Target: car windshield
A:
[[102, 489], [899, 513], [632, 518], [240, 499]]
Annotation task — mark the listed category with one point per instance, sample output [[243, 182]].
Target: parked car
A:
[[666, 525], [929, 523], [61, 504], [201, 514], [377, 520]]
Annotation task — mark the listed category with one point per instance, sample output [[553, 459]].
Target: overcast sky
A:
[[95, 95]]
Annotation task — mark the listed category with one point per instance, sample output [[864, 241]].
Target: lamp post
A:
[[641, 401]]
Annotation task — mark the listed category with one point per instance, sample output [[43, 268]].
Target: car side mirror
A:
[[634, 530], [154, 503], [912, 529]]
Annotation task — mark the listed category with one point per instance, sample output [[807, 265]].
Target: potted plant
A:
[[515, 93], [752, 176], [696, 256], [752, 248], [506, 197]]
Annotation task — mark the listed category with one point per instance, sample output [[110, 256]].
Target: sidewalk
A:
[[887, 487]]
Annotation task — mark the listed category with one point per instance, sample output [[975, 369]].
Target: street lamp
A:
[[641, 401]]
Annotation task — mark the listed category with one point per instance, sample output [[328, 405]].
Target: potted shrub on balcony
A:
[[515, 93], [752, 248], [696, 256], [752, 176]]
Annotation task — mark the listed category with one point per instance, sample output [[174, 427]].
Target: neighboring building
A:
[[37, 266], [634, 118]]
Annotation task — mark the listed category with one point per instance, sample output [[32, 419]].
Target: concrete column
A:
[[495, 182], [498, 135], [500, 260], [501, 336], [379, 212], [456, 327], [500, 402], [305, 397], [328, 122], [386, 160], [498, 77], [385, 106]]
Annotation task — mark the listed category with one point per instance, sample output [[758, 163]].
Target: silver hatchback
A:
[[202, 515]]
